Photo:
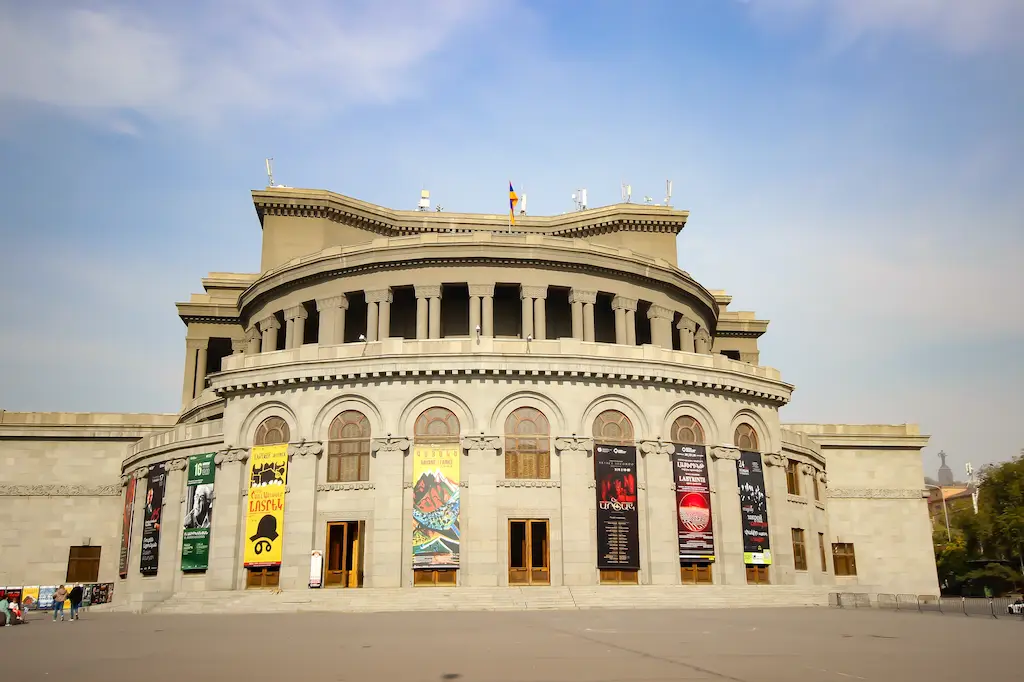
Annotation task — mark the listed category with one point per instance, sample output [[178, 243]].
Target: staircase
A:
[[370, 600]]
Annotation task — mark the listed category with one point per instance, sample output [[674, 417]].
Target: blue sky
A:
[[853, 170]]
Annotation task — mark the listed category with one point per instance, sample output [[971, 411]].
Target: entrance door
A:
[[528, 556], [344, 554], [257, 578]]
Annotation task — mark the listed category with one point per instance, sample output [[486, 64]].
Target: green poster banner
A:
[[195, 546]]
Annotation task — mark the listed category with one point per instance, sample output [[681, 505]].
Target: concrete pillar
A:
[[588, 322], [432, 293], [253, 340], [587, 299], [474, 316], [579, 515], [725, 504], [332, 319], [630, 327], [539, 295], [228, 521], [782, 570], [268, 329], [392, 531], [655, 462], [371, 321], [687, 328], [296, 326], [378, 304], [422, 309], [161, 586], [702, 341], [189, 380], [200, 380], [485, 292], [661, 326], [577, 320], [299, 515], [527, 312], [384, 317], [622, 305]]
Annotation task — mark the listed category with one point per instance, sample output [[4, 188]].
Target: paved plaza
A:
[[752, 645]]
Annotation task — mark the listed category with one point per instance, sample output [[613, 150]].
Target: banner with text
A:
[[151, 527], [618, 523], [693, 503], [436, 537], [264, 521], [753, 509], [195, 541], [126, 526]]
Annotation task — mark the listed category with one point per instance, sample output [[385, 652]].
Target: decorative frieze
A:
[[336, 487], [527, 483], [58, 490], [879, 493]]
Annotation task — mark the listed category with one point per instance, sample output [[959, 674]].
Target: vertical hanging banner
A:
[[195, 542], [693, 503], [618, 523], [151, 527], [435, 506], [126, 526], [264, 521], [753, 509]]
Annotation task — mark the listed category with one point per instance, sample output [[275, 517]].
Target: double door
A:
[[344, 560], [528, 552]]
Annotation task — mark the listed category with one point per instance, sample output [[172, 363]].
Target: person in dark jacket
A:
[[76, 601]]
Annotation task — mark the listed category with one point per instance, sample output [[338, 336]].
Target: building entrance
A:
[[344, 554], [259, 578], [528, 555]]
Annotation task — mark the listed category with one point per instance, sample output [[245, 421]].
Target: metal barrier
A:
[[993, 607]]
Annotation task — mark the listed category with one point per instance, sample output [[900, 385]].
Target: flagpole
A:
[[510, 209]]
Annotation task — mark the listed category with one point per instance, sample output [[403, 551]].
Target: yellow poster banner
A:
[[264, 521], [435, 506]]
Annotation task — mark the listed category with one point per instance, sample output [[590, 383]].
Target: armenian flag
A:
[[513, 199]]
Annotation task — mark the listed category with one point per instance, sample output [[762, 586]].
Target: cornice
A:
[[58, 490]]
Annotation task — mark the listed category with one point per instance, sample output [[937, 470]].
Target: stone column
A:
[[480, 563], [238, 346], [577, 318], [432, 293], [228, 522], [253, 340], [587, 299], [268, 329], [133, 587], [200, 381], [486, 294], [659, 498], [661, 326], [474, 316], [622, 306], [630, 327], [389, 519], [579, 513], [332, 319], [192, 347], [539, 294], [384, 315], [780, 538], [702, 341], [169, 559], [687, 328], [299, 514], [527, 311], [422, 313], [729, 567], [295, 330], [371, 319]]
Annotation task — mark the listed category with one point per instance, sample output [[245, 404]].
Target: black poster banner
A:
[[618, 524], [151, 526], [693, 503], [753, 509]]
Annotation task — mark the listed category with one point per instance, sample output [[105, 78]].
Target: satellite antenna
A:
[[648, 200], [627, 193], [270, 171], [424, 200], [668, 192]]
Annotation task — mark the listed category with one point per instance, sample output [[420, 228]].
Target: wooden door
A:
[[335, 574], [528, 552], [260, 578]]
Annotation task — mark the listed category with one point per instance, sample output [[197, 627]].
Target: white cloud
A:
[[960, 25], [240, 57]]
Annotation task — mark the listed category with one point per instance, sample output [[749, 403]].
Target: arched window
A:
[[614, 428], [687, 430], [348, 448], [273, 431], [527, 444], [437, 425], [745, 438]]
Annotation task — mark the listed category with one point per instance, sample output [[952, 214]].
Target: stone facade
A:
[[387, 314]]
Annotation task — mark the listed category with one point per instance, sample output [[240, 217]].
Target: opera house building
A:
[[422, 399]]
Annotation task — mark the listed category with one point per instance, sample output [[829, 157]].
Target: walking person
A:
[[58, 603], [76, 601]]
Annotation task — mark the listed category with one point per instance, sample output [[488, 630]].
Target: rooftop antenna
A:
[[522, 202], [627, 193], [270, 171], [579, 198], [668, 192], [424, 200], [648, 200], [973, 482]]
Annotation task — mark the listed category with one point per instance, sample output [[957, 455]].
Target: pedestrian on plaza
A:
[[76, 601], [6, 611], [58, 603]]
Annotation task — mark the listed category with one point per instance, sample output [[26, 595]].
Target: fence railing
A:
[[994, 607]]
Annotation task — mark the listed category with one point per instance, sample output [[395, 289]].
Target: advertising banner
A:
[[435, 506], [45, 601], [264, 521], [618, 523], [753, 509], [316, 568], [126, 526], [157, 483], [102, 593], [195, 543], [693, 503]]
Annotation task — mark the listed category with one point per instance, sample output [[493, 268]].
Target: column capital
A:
[[480, 290], [238, 345], [660, 312], [774, 460], [574, 443], [582, 296], [340, 301], [528, 291], [427, 290], [304, 448], [623, 303], [704, 336], [197, 344], [379, 296], [268, 323], [808, 469], [388, 444], [252, 332], [687, 325], [481, 442], [656, 447], [725, 452], [296, 312]]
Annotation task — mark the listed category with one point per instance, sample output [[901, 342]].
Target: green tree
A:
[[1001, 511]]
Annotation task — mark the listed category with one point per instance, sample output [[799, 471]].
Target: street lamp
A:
[[945, 513]]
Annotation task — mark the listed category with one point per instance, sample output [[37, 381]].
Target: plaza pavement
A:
[[752, 645]]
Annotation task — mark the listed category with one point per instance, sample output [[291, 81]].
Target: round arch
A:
[[274, 408], [764, 440], [514, 401], [407, 421], [335, 406], [641, 429], [688, 408]]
